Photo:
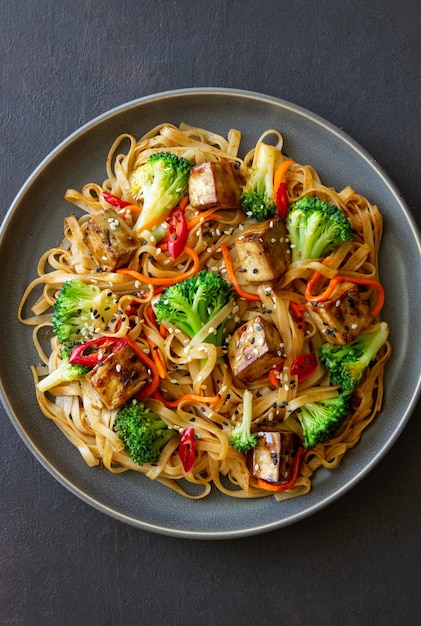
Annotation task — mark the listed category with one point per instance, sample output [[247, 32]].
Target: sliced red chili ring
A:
[[93, 352]]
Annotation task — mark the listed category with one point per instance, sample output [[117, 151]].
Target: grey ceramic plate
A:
[[308, 138]]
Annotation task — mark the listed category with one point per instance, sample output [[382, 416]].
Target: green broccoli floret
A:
[[258, 195], [79, 308], [192, 303], [142, 431], [242, 439], [315, 228], [321, 420], [65, 372], [159, 184], [346, 363]]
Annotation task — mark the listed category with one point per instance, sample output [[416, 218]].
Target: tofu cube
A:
[[263, 250], [254, 348], [273, 457], [214, 184], [344, 316], [110, 241], [119, 377]]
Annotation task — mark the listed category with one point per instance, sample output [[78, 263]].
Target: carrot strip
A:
[[165, 282], [183, 202], [281, 171], [232, 277], [203, 216], [157, 359], [188, 397], [339, 278], [154, 384]]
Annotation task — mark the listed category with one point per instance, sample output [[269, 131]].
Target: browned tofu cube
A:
[[110, 241], [344, 316], [214, 184], [254, 348], [273, 457], [119, 377], [262, 250]]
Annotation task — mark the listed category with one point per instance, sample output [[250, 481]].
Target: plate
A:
[[340, 161]]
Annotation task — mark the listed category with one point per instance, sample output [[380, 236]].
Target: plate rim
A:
[[362, 153]]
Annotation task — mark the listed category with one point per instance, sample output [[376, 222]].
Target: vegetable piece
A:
[[315, 228], [242, 439], [281, 195], [346, 364], [95, 351], [109, 240], [81, 308], [262, 250], [334, 282], [186, 449], [322, 419], [231, 275], [277, 487], [143, 432], [304, 366], [214, 184], [115, 201], [119, 377], [65, 372], [274, 376], [178, 233], [258, 196], [159, 184], [254, 348], [192, 303]]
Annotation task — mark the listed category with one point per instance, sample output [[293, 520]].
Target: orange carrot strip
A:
[[232, 277], [165, 282], [339, 278], [280, 172], [203, 216], [156, 357], [154, 384]]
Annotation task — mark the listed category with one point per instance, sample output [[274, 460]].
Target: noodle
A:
[[196, 386]]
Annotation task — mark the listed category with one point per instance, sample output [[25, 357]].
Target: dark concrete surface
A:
[[357, 64]]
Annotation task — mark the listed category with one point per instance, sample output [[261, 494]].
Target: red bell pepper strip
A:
[[95, 351], [304, 366], [273, 375], [282, 202], [264, 484], [177, 234], [186, 449], [281, 196], [114, 200]]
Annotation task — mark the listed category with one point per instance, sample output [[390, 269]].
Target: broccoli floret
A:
[[346, 363], [159, 184], [258, 195], [65, 372], [79, 308], [315, 228], [242, 439], [142, 431], [192, 303], [322, 419]]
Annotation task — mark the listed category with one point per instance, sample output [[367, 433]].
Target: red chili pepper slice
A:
[[304, 366], [186, 449], [298, 311], [282, 202], [264, 484], [178, 232], [114, 200], [273, 378], [93, 352]]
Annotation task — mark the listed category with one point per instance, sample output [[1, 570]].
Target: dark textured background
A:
[[356, 64]]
